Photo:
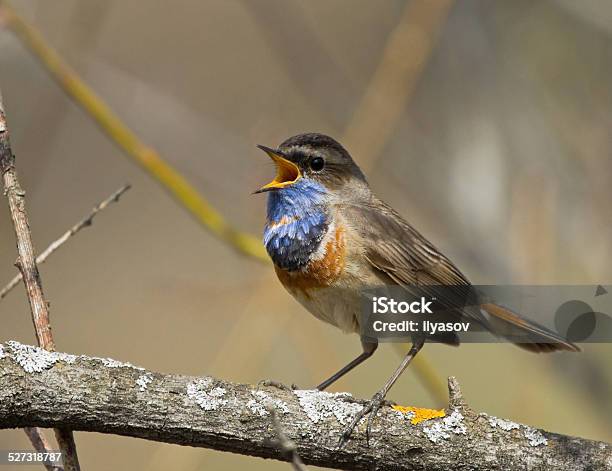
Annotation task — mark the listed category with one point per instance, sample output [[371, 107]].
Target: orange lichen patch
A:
[[319, 273], [420, 415]]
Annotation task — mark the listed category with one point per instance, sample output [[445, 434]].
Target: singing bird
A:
[[330, 238]]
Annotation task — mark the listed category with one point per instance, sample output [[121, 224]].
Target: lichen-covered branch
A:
[[49, 389]]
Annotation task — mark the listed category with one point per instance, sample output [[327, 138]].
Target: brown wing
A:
[[403, 253], [408, 259]]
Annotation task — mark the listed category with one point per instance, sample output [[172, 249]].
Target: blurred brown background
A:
[[494, 142]]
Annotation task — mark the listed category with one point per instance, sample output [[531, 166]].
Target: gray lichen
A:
[[319, 405], [506, 425], [35, 359], [408, 415], [262, 401], [442, 429], [143, 381], [207, 400], [110, 363], [534, 436]]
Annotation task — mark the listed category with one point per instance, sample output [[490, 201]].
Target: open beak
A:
[[286, 171]]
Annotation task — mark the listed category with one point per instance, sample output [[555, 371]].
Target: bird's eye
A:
[[317, 164]]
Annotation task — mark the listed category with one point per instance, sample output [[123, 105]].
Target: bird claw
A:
[[372, 407]]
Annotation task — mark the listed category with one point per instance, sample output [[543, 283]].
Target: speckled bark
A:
[[56, 390]]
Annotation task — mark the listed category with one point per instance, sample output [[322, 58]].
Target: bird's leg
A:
[[369, 347], [374, 405]]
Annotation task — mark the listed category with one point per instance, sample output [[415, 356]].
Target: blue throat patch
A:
[[297, 221]]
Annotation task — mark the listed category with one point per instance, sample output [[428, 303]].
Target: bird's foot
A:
[[278, 384], [371, 409]]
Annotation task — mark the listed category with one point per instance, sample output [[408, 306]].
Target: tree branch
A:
[[29, 270], [48, 389]]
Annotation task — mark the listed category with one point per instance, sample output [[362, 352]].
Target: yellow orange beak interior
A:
[[287, 172]]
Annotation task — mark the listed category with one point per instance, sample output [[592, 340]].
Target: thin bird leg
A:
[[373, 406], [369, 348]]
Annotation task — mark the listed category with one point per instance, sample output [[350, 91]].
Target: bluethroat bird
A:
[[330, 238]]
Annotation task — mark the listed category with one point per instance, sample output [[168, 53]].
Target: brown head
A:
[[315, 157]]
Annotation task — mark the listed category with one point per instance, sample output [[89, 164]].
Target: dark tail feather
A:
[[503, 320]]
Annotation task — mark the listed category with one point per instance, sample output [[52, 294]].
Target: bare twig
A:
[[29, 270], [40, 444], [25, 260], [455, 396], [65, 442], [286, 445], [85, 222], [102, 395]]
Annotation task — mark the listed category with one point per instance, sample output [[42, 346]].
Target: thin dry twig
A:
[[287, 446], [26, 260], [41, 445], [83, 223], [26, 263]]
